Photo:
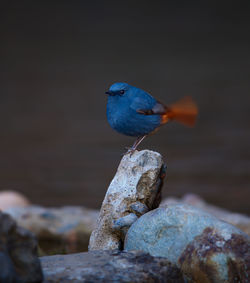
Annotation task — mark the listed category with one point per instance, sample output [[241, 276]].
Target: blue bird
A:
[[133, 112]]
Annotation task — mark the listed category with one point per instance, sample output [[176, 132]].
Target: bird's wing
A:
[[148, 106], [157, 109]]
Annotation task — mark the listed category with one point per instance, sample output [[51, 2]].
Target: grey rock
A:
[[204, 247], [58, 230], [139, 178], [239, 220], [109, 266], [18, 253]]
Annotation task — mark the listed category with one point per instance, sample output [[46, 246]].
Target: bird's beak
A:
[[108, 92]]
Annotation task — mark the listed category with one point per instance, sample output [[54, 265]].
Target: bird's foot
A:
[[130, 151]]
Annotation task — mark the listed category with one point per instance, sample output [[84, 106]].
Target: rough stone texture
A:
[[18, 253], [204, 247], [109, 266], [239, 220], [59, 230], [134, 190]]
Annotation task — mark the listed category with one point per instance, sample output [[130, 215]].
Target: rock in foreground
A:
[[109, 266], [135, 189], [204, 247], [18, 253]]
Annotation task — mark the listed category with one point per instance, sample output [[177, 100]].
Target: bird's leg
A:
[[137, 142], [135, 145]]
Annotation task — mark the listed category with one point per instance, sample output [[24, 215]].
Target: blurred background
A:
[[58, 59]]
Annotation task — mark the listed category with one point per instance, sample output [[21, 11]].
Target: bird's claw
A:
[[130, 151]]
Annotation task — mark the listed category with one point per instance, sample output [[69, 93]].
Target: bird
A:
[[133, 112]]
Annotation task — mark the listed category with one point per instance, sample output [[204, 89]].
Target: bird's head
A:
[[118, 89]]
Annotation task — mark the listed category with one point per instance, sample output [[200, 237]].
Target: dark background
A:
[[57, 60]]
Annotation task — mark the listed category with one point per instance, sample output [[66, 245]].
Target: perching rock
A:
[[59, 230], [135, 189], [237, 219], [204, 247], [18, 253], [109, 266]]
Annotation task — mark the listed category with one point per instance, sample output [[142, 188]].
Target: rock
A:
[[204, 247], [18, 253], [135, 189], [10, 199], [109, 266], [59, 230], [239, 220]]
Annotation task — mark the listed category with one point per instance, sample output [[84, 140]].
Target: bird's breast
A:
[[127, 121]]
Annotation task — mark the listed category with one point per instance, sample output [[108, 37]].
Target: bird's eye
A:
[[122, 91]]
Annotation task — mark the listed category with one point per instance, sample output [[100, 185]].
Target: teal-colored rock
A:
[[204, 247]]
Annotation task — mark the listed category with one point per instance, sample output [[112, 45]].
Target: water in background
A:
[[56, 63]]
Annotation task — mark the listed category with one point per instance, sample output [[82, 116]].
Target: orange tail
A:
[[184, 111]]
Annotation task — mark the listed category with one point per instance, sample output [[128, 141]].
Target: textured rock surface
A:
[[18, 253], [239, 220], [59, 230], [134, 190], [204, 247], [109, 266]]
